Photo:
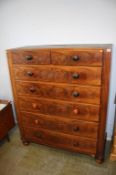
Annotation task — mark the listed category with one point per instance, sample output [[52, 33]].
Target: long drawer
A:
[[61, 109], [66, 74], [31, 57], [79, 57], [83, 94], [69, 126], [73, 143]]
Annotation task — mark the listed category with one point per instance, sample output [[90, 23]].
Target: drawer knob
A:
[[30, 73], [75, 58], [28, 57], [76, 129], [75, 111], [75, 75], [36, 121], [32, 89], [34, 105], [75, 94], [76, 144]]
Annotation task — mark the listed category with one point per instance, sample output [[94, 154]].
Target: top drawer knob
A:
[[75, 58], [75, 75], [28, 57]]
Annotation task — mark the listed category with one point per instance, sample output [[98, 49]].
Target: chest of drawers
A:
[[61, 95]]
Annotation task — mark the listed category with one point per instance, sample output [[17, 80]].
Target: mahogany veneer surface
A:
[[61, 95]]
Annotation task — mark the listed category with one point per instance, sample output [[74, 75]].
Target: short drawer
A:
[[83, 94], [31, 57], [76, 75], [73, 143], [68, 126], [77, 57], [60, 109]]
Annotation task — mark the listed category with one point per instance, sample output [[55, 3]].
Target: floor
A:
[[17, 159]]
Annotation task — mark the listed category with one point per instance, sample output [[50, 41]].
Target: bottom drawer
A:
[[65, 141]]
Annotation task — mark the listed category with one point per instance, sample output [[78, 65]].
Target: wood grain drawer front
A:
[[74, 57], [77, 75], [81, 94], [54, 139], [69, 126], [61, 109], [31, 57]]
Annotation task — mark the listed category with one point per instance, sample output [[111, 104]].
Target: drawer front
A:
[[69, 126], [31, 57], [77, 75], [73, 57], [82, 94], [60, 109], [65, 141]]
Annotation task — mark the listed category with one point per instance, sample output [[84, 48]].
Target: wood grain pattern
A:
[[64, 92], [90, 57], [61, 109], [87, 75], [61, 95], [64, 125], [31, 57], [60, 140]]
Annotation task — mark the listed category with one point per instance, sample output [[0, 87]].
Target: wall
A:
[[34, 22]]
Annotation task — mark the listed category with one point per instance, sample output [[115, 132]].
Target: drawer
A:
[[60, 109], [65, 141], [83, 94], [74, 57], [76, 75], [68, 126], [31, 57]]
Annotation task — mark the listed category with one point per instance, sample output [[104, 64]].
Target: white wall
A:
[[34, 22]]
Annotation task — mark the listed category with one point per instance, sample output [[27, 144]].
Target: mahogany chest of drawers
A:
[[61, 95]]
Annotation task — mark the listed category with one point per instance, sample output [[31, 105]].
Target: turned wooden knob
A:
[[75, 58], [28, 57], [34, 105], [36, 121], [32, 89], [30, 73], [75, 94], [75, 75], [76, 129], [75, 111]]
